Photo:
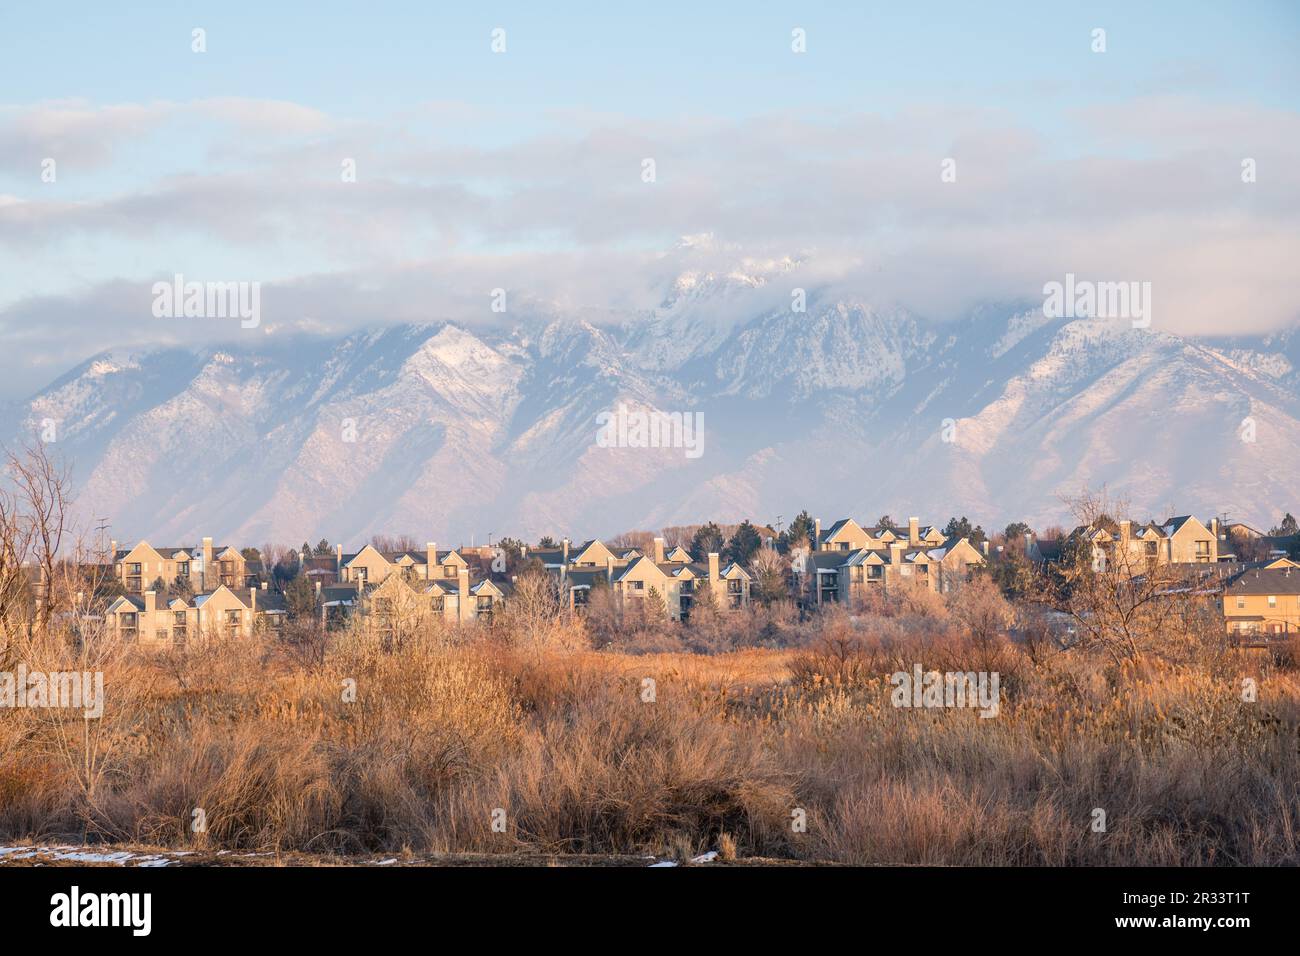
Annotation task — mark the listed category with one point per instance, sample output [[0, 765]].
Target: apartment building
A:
[[850, 563], [671, 577], [371, 566], [1263, 604], [1123, 545], [205, 567], [154, 620], [408, 600]]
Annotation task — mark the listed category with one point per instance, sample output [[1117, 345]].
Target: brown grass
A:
[[733, 746]]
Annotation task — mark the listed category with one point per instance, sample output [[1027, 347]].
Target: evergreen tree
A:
[[707, 540], [744, 544], [300, 597], [801, 527]]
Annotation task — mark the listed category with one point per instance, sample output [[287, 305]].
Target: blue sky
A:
[[521, 169]]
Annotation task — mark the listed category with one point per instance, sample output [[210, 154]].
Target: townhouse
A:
[[850, 563], [203, 568], [1261, 605], [669, 581], [1122, 545], [407, 599], [154, 619]]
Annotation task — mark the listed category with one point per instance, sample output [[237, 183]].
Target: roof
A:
[[585, 577], [1266, 581]]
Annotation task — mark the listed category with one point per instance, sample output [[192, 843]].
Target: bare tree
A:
[[1117, 598]]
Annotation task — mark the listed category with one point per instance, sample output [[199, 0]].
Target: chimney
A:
[[430, 559], [338, 559], [609, 569], [713, 566], [817, 534], [896, 553], [1029, 541], [1214, 529], [207, 561], [263, 585], [1125, 530], [150, 602], [985, 543], [112, 554], [252, 601], [913, 531], [462, 588], [659, 550]]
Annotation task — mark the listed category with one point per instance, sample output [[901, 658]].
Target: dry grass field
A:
[[438, 745]]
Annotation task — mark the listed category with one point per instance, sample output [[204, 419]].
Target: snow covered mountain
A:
[[450, 433]]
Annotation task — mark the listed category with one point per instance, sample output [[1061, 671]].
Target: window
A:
[[485, 602], [1272, 600], [160, 635], [449, 571], [126, 624], [1241, 603], [636, 585], [438, 603]]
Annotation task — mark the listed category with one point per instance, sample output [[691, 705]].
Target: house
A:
[[677, 585], [851, 562], [154, 620], [1263, 604], [404, 600], [670, 575], [205, 567], [372, 566], [1121, 545]]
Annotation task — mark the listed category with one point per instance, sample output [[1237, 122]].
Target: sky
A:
[[525, 169]]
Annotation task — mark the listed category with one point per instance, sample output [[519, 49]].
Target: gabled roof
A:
[[627, 569], [839, 526], [1266, 581]]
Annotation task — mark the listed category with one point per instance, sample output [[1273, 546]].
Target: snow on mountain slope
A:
[[450, 434]]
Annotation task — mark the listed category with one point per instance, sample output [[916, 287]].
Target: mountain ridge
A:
[[459, 432]]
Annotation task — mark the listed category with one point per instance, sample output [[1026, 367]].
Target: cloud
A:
[[448, 204]]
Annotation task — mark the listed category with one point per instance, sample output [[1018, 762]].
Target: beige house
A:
[[372, 566], [224, 612], [403, 600], [677, 585], [669, 576], [1178, 540], [1263, 604], [205, 568], [851, 562]]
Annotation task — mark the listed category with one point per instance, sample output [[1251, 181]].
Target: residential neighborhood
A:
[[169, 594]]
